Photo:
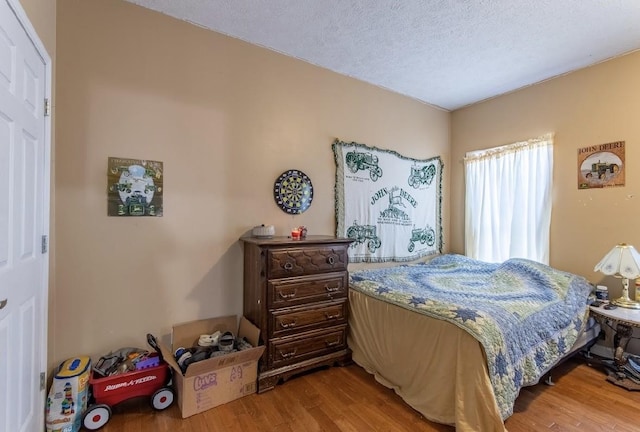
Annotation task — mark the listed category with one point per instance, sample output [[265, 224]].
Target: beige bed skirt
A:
[[437, 368]]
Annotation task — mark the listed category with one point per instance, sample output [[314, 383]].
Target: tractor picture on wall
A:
[[423, 235], [362, 161], [601, 168], [422, 175], [364, 233]]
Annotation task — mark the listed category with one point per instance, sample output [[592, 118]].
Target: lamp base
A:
[[625, 302]]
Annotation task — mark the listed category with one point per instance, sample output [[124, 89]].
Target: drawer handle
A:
[[331, 289], [288, 355], [287, 295], [331, 260], [287, 266], [331, 317], [333, 343], [288, 325]]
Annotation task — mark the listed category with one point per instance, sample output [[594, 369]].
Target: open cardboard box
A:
[[218, 380]]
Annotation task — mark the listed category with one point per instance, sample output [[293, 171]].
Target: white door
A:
[[24, 213]]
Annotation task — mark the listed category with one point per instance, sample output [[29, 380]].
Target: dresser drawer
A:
[[290, 321], [290, 262], [309, 345], [306, 289]]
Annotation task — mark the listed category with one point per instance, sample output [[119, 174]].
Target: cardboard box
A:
[[218, 380]]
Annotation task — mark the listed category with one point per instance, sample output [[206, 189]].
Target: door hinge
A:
[[42, 379], [47, 107], [45, 244]]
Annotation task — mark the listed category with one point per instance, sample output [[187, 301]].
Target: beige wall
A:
[[226, 118], [42, 14], [592, 106]]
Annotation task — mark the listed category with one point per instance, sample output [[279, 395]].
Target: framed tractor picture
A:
[[601, 165]]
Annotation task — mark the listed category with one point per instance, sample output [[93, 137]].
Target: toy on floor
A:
[[67, 399], [149, 375]]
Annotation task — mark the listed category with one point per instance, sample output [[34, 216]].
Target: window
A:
[[508, 201]]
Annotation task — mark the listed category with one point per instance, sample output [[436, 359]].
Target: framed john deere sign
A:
[[601, 165], [389, 204], [134, 187]]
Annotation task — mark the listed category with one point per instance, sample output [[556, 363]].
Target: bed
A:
[[457, 338]]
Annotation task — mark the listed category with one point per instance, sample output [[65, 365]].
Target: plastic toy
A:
[[67, 399], [150, 378]]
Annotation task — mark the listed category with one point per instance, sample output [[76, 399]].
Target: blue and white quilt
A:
[[525, 314]]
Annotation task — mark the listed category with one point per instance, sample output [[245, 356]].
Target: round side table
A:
[[623, 321]]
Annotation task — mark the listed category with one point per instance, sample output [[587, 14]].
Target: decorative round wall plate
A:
[[293, 191]]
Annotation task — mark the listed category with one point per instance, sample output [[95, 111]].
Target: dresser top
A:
[[288, 241]]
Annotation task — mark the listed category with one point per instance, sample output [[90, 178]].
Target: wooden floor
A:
[[349, 399]]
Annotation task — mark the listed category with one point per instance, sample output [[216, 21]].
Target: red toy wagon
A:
[[152, 379]]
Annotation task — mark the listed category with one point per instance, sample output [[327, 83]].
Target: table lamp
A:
[[623, 261]]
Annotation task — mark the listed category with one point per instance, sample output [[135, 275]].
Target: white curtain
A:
[[508, 201]]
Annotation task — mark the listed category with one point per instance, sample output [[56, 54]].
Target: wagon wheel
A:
[[162, 399], [589, 175], [96, 416], [375, 173]]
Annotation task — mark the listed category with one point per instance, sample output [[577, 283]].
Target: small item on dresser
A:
[[303, 232], [263, 231], [295, 234], [610, 306]]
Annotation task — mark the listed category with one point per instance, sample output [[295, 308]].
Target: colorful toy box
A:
[[67, 400]]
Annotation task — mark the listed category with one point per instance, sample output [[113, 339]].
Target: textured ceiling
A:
[[447, 53]]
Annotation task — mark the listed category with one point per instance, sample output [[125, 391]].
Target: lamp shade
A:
[[623, 260]]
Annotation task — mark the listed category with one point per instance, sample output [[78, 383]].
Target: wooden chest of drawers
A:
[[296, 292]]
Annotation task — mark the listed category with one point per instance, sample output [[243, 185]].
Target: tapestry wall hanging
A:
[[389, 204], [134, 187]]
